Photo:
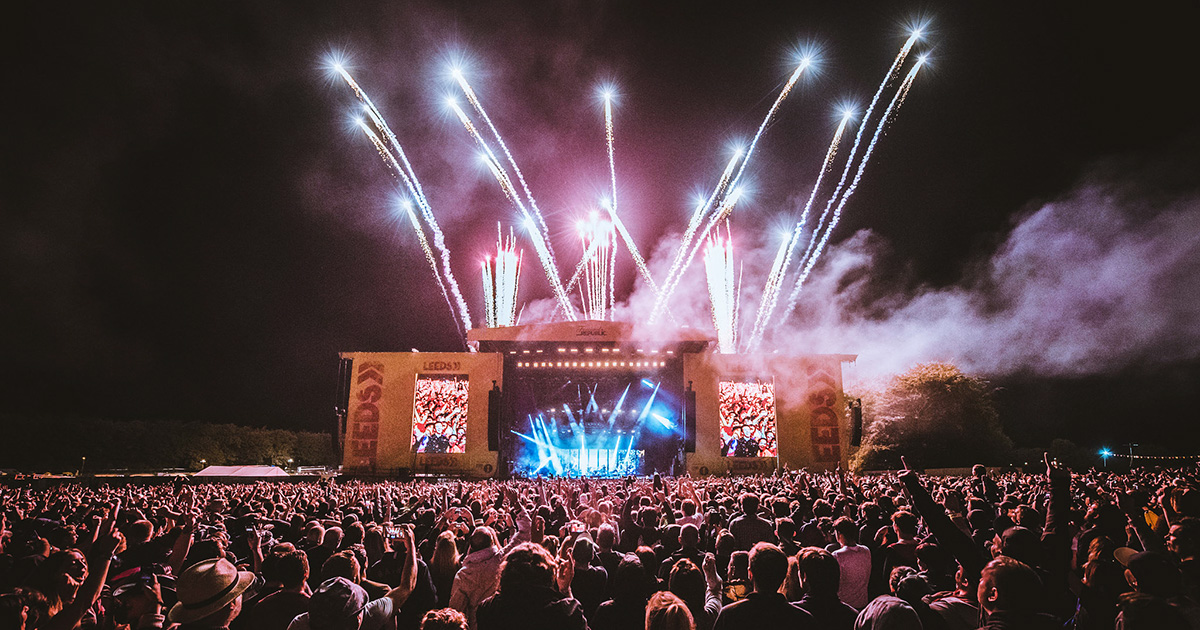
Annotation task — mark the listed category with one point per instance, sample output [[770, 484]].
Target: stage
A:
[[589, 399]]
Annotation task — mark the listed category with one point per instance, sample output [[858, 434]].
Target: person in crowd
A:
[[854, 564], [479, 575], [534, 593], [209, 595], [444, 619], [341, 604], [820, 579], [444, 565], [765, 606], [590, 582], [699, 589], [289, 567], [737, 583], [627, 608], [750, 529], [1009, 593], [667, 612]]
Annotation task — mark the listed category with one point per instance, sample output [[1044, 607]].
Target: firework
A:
[[474, 100], [611, 206], [595, 288], [409, 177], [722, 209], [862, 166], [394, 168], [783, 257], [722, 290], [595, 275], [500, 281], [541, 246], [697, 217], [887, 80]]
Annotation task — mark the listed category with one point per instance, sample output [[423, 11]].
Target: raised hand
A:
[[564, 574], [538, 532], [1053, 472]]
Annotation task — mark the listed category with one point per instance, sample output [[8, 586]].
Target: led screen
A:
[[440, 414], [595, 423], [748, 419]]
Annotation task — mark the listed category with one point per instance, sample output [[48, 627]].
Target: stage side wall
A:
[[378, 436], [813, 426]]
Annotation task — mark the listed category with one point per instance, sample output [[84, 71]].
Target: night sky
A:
[[190, 228]]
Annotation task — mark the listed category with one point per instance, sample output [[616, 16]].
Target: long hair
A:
[[667, 612], [50, 576], [445, 555]]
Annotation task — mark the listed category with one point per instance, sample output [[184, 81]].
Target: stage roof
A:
[[588, 331]]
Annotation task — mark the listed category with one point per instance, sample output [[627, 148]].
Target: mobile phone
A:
[[393, 531], [575, 527]]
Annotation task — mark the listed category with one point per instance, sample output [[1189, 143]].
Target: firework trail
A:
[[722, 212], [394, 168], [718, 266], [579, 269], [737, 297], [816, 253], [698, 215], [595, 290], [673, 278], [471, 96], [608, 136], [540, 245], [414, 185], [489, 295], [771, 284], [677, 265], [612, 272], [787, 88], [783, 257], [887, 80], [638, 260]]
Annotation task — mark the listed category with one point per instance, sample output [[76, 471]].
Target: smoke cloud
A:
[[1104, 278]]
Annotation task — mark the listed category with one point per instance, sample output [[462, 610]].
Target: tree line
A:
[[62, 444]]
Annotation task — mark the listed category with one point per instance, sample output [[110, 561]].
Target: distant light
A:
[[916, 33], [1104, 452]]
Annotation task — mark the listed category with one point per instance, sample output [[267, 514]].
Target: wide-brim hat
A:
[[206, 587]]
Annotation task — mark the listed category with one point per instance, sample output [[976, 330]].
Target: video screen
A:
[[440, 414], [748, 419]]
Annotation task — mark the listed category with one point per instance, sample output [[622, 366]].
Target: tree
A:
[[934, 415]]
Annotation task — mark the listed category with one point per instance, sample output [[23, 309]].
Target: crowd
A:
[[440, 415], [1088, 551], [747, 412]]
